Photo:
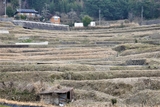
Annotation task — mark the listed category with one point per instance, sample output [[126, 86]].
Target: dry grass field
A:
[[100, 64]]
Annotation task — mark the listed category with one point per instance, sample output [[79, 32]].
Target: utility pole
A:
[[141, 2], [4, 8], [142, 14], [20, 4], [20, 8], [99, 17]]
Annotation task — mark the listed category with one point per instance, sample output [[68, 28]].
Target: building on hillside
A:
[[57, 96], [29, 13], [78, 25], [55, 20], [92, 24]]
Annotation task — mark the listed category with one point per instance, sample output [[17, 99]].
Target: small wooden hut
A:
[[57, 96]]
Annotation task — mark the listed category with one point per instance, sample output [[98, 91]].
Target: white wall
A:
[[92, 23], [4, 31], [78, 24]]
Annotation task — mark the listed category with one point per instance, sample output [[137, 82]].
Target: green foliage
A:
[[149, 8], [3, 106], [136, 41], [86, 20], [38, 4], [116, 9], [9, 11], [27, 41], [17, 17], [15, 3], [113, 101], [64, 6], [119, 9], [23, 17], [108, 9]]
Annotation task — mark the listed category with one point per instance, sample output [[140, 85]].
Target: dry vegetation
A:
[[101, 64]]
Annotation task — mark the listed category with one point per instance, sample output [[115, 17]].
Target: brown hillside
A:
[[100, 64]]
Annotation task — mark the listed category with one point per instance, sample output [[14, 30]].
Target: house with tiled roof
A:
[[29, 13]]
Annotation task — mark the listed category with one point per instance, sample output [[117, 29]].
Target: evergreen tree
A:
[[9, 11], [110, 9]]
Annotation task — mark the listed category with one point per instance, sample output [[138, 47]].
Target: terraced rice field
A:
[[101, 64]]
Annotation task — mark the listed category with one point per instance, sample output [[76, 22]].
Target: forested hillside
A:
[[108, 9]]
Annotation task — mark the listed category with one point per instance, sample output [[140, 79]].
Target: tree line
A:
[[107, 9], [123, 9]]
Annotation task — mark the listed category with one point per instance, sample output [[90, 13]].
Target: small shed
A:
[[57, 96], [55, 20], [78, 24], [92, 24]]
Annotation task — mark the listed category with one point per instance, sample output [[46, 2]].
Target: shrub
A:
[[86, 20], [27, 41], [17, 17], [113, 101], [23, 17], [136, 41], [9, 11]]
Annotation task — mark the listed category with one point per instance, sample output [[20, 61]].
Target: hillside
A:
[[100, 64], [72, 11]]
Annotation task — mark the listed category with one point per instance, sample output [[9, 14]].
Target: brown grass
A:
[[91, 61], [24, 103]]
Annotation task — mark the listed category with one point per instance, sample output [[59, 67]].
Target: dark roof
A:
[[63, 90], [26, 11]]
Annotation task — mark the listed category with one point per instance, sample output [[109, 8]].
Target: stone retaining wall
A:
[[40, 25], [136, 62]]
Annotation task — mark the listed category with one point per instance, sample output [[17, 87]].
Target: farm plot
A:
[[101, 65]]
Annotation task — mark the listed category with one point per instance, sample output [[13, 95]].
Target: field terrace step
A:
[[77, 76], [140, 56], [55, 54], [97, 75], [124, 86]]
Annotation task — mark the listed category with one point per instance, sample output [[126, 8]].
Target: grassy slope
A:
[[93, 62]]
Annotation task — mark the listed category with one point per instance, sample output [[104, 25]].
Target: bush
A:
[[86, 20], [113, 101], [136, 41], [23, 17], [9, 11], [27, 41], [17, 17]]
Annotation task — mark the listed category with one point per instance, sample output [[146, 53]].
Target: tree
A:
[[15, 3], [9, 11], [110, 9], [38, 4], [147, 8], [113, 101], [86, 20]]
